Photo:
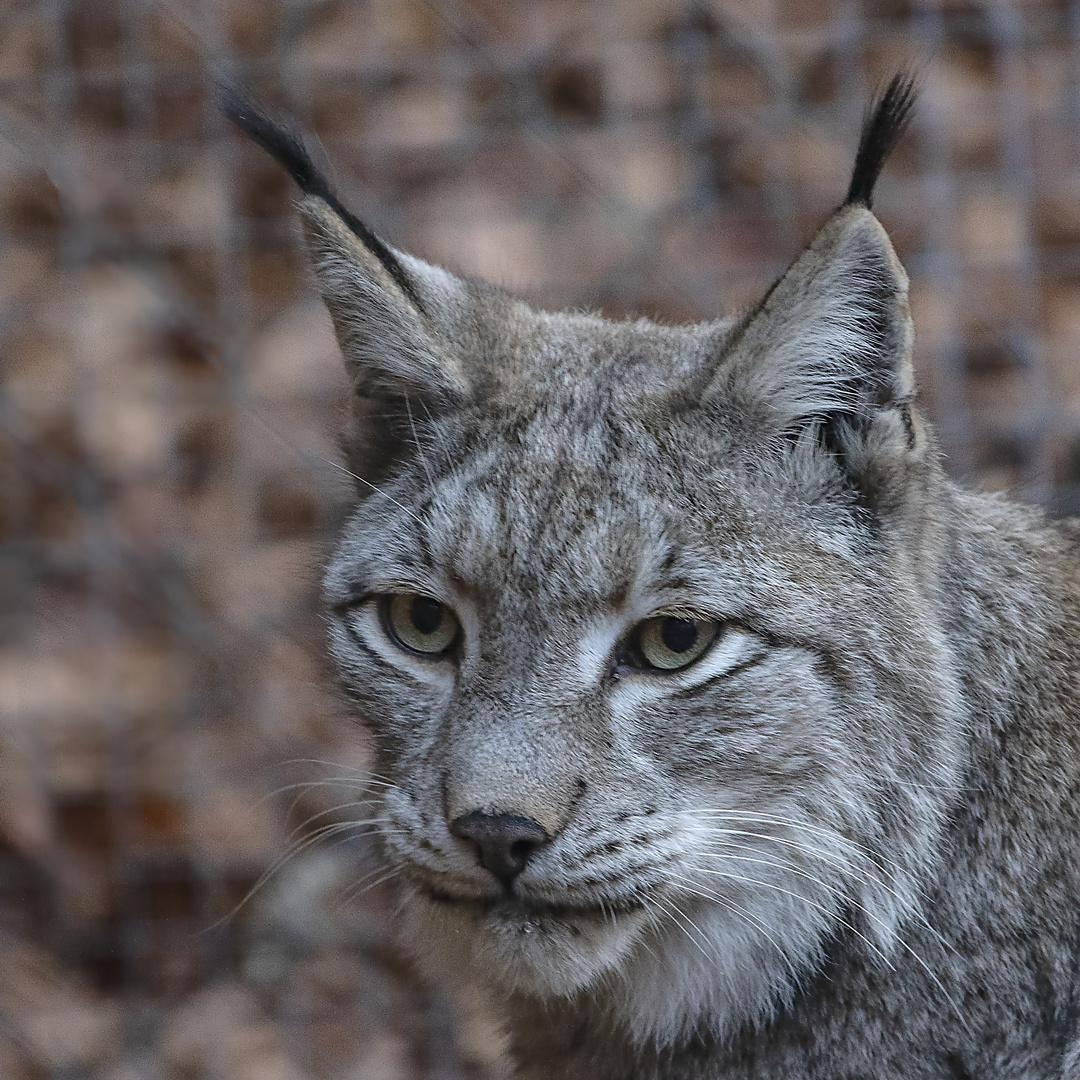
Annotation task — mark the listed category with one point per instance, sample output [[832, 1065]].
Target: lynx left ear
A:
[[832, 339], [828, 350]]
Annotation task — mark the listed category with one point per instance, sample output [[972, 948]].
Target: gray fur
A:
[[845, 842]]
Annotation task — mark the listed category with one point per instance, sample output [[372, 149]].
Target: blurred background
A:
[[170, 391]]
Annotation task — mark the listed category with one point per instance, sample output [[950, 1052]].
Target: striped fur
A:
[[846, 841]]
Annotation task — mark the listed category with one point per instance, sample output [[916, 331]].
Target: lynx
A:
[[720, 733]]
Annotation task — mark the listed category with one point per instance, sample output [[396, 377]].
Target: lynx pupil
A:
[[679, 635], [419, 623], [426, 614], [670, 643]]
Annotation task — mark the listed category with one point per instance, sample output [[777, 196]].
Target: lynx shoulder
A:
[[724, 736]]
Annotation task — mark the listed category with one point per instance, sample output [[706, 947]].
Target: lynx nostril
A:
[[506, 842]]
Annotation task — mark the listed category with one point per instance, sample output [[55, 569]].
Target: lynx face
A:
[[633, 645], [644, 619]]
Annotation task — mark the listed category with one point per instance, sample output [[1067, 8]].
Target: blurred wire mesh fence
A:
[[170, 391]]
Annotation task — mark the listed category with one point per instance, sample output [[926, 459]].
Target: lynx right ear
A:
[[397, 318], [394, 314]]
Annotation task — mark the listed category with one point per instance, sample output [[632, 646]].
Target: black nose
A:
[[506, 841]]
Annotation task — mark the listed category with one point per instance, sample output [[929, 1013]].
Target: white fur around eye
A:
[[365, 621], [594, 648], [732, 647]]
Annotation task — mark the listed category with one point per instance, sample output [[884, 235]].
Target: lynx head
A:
[[644, 618]]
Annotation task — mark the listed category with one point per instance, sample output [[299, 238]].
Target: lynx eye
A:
[[669, 642], [420, 623]]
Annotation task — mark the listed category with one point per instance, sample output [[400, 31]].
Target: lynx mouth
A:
[[521, 909], [522, 945]]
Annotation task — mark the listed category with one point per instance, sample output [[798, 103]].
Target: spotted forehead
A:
[[544, 523]]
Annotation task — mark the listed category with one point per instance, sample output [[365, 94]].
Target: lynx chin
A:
[[720, 734]]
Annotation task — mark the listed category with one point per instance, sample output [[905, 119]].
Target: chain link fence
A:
[[170, 392]]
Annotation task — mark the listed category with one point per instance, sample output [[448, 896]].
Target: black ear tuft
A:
[[886, 120], [287, 148]]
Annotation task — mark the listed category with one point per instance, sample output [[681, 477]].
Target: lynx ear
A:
[[832, 339], [828, 350], [393, 314], [397, 318]]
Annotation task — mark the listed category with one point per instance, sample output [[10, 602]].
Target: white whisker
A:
[[376, 488], [419, 448], [899, 940], [803, 899], [370, 776], [358, 889], [689, 885], [859, 874], [677, 916], [859, 850], [332, 810]]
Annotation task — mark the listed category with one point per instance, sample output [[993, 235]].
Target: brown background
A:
[[170, 390]]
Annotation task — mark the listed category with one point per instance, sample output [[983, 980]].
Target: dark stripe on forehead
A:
[[555, 495], [420, 525]]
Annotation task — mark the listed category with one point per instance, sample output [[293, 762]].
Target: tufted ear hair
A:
[[826, 358], [397, 318]]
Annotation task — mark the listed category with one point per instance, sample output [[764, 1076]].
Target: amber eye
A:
[[669, 642], [420, 623]]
